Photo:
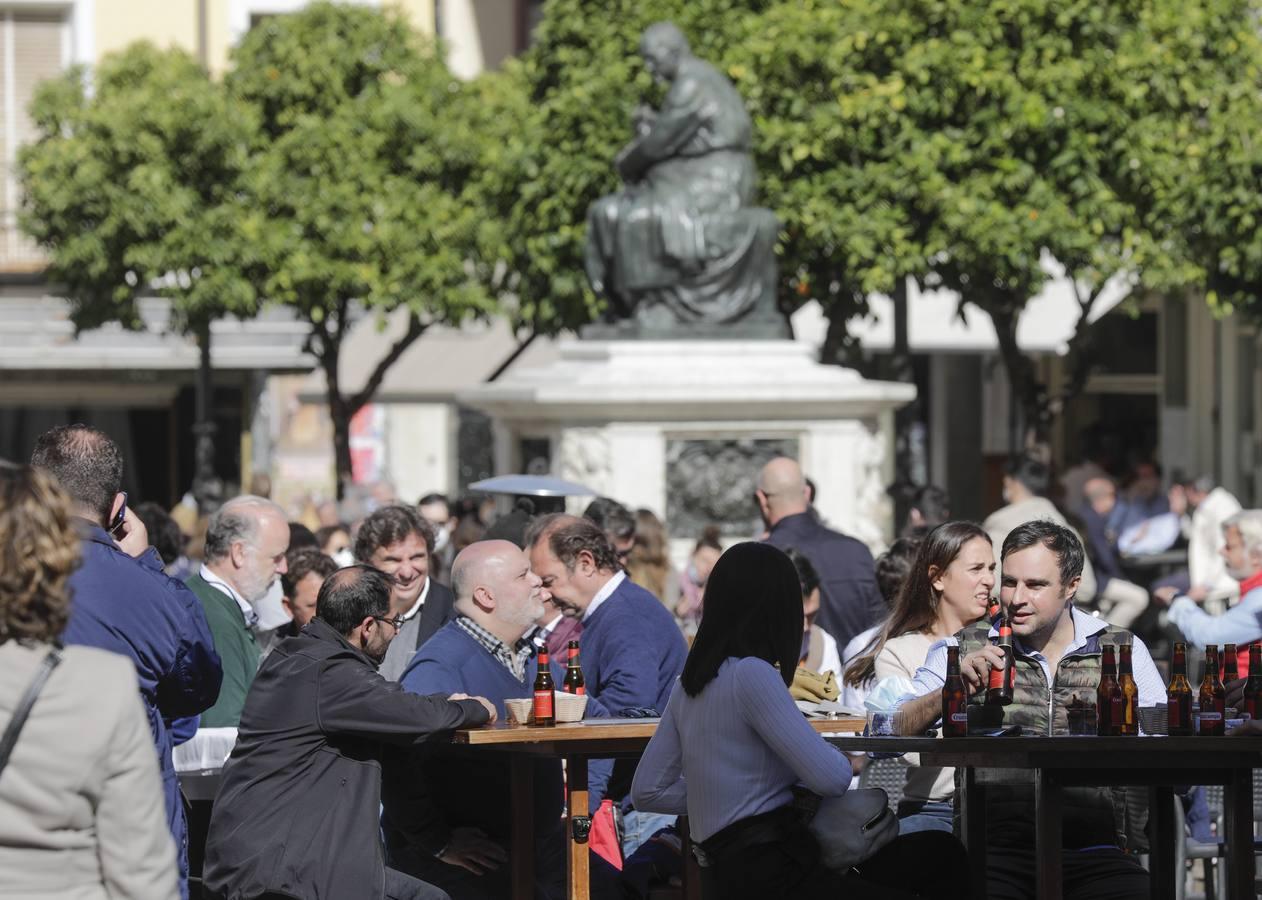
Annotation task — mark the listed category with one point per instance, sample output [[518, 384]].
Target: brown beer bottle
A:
[[1179, 694], [1251, 705], [573, 683], [1129, 724], [1230, 666], [993, 610], [954, 698], [1108, 696], [1213, 698], [544, 708], [1003, 681]]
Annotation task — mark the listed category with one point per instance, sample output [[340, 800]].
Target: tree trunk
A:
[[329, 355], [1030, 394]]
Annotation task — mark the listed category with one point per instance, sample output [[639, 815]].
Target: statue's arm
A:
[[682, 115]]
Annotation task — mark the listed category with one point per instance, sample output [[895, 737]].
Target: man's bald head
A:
[[494, 587], [781, 490]]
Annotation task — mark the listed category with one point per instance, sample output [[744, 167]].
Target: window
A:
[[34, 46]]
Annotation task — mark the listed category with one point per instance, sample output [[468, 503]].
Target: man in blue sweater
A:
[[458, 840], [633, 651]]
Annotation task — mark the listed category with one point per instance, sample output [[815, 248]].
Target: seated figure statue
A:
[[681, 244]]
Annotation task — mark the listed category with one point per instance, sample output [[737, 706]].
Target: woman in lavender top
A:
[[732, 746]]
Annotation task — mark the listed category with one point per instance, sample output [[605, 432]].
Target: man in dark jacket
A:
[[398, 541], [849, 600], [297, 814], [122, 601]]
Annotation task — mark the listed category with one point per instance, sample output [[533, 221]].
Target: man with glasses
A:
[[398, 541], [246, 542], [297, 815]]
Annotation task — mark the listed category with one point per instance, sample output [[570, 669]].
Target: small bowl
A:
[[519, 711], [570, 707]]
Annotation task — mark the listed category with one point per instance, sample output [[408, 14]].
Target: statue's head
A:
[[663, 46]]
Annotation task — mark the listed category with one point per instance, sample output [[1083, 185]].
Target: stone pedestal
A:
[[682, 427]]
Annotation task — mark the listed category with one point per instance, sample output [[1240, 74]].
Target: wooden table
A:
[[577, 744], [1057, 762]]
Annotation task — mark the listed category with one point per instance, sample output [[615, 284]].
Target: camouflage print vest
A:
[[1092, 816]]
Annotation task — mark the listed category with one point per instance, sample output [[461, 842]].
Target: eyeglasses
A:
[[397, 621]]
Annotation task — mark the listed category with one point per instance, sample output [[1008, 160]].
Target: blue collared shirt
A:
[[1152, 690], [1238, 625]]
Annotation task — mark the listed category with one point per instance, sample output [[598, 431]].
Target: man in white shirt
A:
[[398, 541], [1203, 509]]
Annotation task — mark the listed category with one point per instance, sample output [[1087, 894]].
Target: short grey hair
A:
[[1249, 523], [237, 521]]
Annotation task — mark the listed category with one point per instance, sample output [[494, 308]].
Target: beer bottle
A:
[[1002, 681], [1108, 695], [1179, 694], [954, 698], [573, 683], [1251, 705], [993, 610], [1129, 724], [1213, 698], [544, 708], [1230, 667]]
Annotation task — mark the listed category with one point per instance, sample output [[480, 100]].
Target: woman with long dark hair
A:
[[948, 587], [732, 746]]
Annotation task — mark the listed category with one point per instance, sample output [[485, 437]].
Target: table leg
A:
[[1047, 836], [692, 871], [1238, 816], [973, 824], [522, 835], [578, 826], [1161, 853]]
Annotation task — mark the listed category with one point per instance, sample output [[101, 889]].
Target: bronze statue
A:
[[681, 250]]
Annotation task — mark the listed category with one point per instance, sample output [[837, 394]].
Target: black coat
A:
[[298, 810], [849, 601]]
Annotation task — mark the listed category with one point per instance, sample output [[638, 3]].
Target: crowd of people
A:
[[332, 657]]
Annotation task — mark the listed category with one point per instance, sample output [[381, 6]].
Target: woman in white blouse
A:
[[949, 587]]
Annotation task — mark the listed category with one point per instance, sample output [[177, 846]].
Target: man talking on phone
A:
[[123, 602]]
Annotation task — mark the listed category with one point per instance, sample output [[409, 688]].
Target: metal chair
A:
[[888, 774]]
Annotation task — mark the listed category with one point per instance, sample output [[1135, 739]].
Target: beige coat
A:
[[1003, 520], [81, 809]]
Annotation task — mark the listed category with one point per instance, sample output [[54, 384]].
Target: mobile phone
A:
[[117, 522]]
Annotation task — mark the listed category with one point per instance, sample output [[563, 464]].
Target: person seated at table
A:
[[1202, 506], [1242, 623], [462, 844], [1121, 602], [732, 746], [819, 649], [948, 588], [1059, 646], [298, 812], [632, 650]]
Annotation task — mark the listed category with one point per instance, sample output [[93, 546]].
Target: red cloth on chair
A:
[[604, 835]]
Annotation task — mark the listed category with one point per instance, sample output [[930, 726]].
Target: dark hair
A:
[[301, 536], [303, 562], [323, 534], [753, 607], [1055, 537], [613, 518], [435, 498], [893, 565], [350, 595], [568, 536], [389, 525], [808, 578], [710, 537], [86, 463], [933, 503], [916, 607], [164, 534], [1030, 472]]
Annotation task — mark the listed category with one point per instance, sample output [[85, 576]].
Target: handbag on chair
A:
[[851, 828]]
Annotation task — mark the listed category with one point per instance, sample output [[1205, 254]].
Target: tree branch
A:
[[415, 329]]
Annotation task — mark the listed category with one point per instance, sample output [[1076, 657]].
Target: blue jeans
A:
[[639, 826], [924, 815]]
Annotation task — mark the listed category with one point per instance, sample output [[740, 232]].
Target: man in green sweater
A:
[[245, 554]]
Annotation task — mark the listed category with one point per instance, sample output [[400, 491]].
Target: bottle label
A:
[[543, 705], [1211, 717], [959, 717]]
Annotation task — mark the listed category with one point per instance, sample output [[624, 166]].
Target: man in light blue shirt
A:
[[1057, 651], [1242, 623]]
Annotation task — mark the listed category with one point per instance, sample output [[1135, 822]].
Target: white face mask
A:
[[344, 558], [442, 537]]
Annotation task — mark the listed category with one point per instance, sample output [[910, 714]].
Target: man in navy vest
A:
[[632, 650]]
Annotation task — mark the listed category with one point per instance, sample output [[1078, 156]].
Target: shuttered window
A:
[[33, 47]]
